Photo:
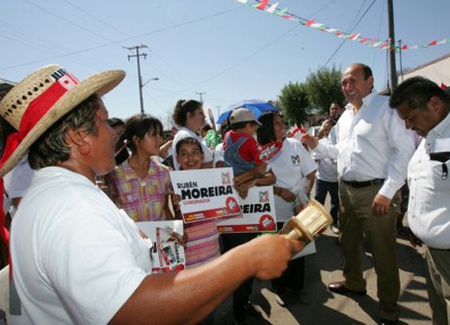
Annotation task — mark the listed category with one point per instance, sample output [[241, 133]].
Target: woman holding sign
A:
[[295, 173]]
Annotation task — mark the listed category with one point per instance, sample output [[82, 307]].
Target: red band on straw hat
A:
[[36, 110]]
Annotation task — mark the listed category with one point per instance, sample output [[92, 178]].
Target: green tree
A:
[[294, 104], [323, 87]]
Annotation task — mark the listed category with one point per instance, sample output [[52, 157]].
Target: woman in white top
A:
[[295, 173], [189, 117]]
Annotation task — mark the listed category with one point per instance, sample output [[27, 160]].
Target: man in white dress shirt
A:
[[372, 150], [424, 107]]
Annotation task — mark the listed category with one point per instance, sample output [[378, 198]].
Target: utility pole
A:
[[400, 58], [218, 110], [391, 42], [201, 98], [138, 55]]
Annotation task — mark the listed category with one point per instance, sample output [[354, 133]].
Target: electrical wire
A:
[[342, 43]]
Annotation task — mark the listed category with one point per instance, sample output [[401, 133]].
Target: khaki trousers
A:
[[438, 284], [358, 223]]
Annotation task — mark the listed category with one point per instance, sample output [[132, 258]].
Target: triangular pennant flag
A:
[[309, 23], [272, 8], [281, 12], [318, 26], [443, 85], [263, 4]]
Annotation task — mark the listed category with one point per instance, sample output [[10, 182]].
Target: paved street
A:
[[328, 308]]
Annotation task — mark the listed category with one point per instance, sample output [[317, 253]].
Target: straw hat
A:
[[41, 99]]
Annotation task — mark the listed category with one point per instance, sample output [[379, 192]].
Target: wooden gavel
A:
[[308, 223]]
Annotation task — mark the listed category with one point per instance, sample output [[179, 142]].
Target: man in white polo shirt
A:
[[425, 107]]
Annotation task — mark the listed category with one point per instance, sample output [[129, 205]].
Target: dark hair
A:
[[416, 92], [224, 127], [182, 108], [51, 147], [207, 127], [240, 125], [188, 140], [115, 121], [266, 132], [139, 125], [366, 70]]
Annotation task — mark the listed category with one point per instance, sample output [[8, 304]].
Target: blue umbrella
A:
[[257, 106]]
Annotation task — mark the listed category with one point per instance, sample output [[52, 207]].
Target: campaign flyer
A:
[[167, 253], [206, 193], [258, 213]]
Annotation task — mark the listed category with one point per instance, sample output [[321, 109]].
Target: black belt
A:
[[376, 181]]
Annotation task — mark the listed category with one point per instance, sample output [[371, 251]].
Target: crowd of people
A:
[[74, 241]]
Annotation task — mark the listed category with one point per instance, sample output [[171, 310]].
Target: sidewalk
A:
[[328, 308]]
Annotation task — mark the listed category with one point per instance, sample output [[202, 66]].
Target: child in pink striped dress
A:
[[202, 236]]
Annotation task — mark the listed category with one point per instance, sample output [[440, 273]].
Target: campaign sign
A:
[[167, 253], [258, 213], [206, 193]]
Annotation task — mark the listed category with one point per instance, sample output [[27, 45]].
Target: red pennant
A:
[[263, 4]]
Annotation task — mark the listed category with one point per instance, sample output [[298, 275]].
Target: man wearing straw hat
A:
[[76, 258]]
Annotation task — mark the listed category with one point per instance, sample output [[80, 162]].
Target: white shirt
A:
[[290, 165], [218, 154], [326, 167], [77, 259], [185, 133], [429, 193], [372, 142], [16, 183]]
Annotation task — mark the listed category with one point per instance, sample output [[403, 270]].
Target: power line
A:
[[67, 20], [112, 42], [342, 43]]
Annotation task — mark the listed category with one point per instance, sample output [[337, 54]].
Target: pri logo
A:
[[267, 223], [226, 178], [232, 205], [263, 196], [295, 159], [65, 79]]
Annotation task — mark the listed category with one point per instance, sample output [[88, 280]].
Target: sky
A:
[[221, 51]]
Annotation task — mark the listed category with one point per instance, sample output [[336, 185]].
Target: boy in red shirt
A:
[[241, 148]]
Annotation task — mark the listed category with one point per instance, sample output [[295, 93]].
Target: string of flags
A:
[[273, 9]]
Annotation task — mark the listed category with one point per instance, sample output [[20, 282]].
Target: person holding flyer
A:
[[202, 236], [77, 258], [295, 173]]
